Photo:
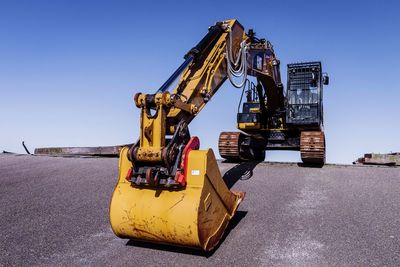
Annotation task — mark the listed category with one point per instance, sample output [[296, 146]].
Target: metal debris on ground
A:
[[389, 159], [26, 149], [99, 151]]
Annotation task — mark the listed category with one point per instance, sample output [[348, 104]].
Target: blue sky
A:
[[69, 69]]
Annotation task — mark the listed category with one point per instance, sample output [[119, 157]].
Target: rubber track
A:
[[228, 145], [312, 147]]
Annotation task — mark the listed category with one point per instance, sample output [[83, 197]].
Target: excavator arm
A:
[[168, 190], [165, 116]]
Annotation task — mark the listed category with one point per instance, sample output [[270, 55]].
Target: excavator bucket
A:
[[195, 216]]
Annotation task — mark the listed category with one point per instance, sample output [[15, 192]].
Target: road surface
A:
[[54, 211]]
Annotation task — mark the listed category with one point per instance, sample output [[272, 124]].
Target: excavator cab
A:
[[304, 94]]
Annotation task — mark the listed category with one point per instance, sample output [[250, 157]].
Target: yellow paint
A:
[[212, 73], [248, 125], [152, 127], [194, 217], [255, 110]]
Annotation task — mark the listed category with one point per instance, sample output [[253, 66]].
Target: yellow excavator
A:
[[169, 191]]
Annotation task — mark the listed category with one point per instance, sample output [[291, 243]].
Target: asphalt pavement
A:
[[54, 211]]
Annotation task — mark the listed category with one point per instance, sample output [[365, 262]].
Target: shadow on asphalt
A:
[[310, 165], [232, 224], [241, 171]]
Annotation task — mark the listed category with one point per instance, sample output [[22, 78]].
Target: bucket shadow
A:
[[191, 251], [241, 171]]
